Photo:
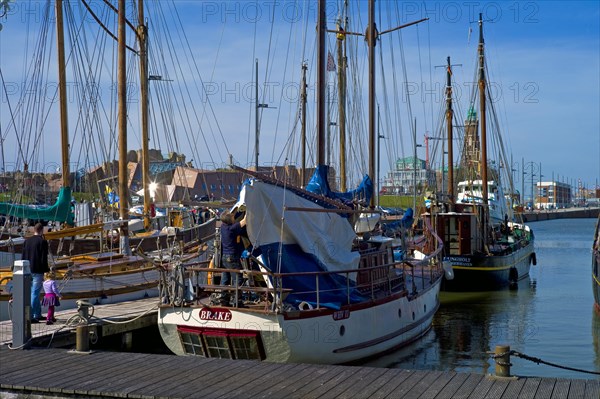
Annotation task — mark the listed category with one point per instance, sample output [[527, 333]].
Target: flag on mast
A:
[[330, 62]]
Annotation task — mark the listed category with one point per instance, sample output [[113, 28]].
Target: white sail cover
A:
[[327, 236]]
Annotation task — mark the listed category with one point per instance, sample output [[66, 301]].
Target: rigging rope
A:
[[201, 90], [104, 27], [12, 120], [116, 11]]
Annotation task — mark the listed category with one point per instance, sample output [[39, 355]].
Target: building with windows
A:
[[402, 179], [553, 195]]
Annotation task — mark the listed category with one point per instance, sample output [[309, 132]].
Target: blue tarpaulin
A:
[[318, 184], [333, 290], [405, 223]]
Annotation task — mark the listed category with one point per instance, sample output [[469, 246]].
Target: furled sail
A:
[[294, 234]]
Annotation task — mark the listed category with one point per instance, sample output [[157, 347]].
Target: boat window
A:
[[245, 347], [192, 344], [222, 344], [217, 346]]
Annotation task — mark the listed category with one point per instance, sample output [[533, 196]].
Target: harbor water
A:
[[550, 316]]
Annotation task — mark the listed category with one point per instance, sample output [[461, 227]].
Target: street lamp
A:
[[534, 172]]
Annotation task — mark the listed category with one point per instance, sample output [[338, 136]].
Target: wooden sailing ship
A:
[[180, 224], [95, 262], [485, 252], [307, 268]]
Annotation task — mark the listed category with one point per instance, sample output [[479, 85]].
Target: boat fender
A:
[[448, 272], [305, 306], [513, 275], [533, 259], [209, 275]]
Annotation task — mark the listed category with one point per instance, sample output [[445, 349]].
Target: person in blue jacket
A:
[[232, 247]]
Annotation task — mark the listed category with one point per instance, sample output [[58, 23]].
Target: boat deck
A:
[[137, 375]]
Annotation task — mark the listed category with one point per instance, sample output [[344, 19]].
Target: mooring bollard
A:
[[502, 358], [82, 333], [82, 338]]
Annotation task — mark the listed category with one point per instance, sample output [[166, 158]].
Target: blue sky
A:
[[543, 58]]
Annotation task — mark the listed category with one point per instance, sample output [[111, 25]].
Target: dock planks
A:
[[109, 319], [150, 376]]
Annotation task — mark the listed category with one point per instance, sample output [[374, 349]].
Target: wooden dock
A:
[[109, 319], [54, 372], [63, 373]]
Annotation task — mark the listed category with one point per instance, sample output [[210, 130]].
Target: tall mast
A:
[[482, 115], [449, 116], [341, 72], [328, 128], [379, 136], [142, 33], [371, 40], [122, 125], [321, 60], [303, 119], [415, 165], [62, 94], [256, 127]]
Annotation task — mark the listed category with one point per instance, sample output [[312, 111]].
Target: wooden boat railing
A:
[[379, 279]]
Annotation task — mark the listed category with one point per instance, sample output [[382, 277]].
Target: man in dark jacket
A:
[[35, 251], [232, 248]]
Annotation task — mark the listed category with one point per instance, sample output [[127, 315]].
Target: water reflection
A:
[[467, 327]]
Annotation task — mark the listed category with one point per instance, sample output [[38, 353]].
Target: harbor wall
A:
[[572, 213]]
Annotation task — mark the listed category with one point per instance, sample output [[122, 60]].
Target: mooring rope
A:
[[537, 360]]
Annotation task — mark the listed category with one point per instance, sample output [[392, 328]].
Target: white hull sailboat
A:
[[314, 289], [362, 304]]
